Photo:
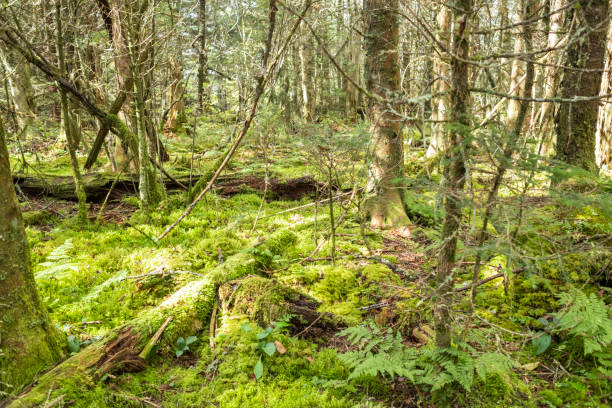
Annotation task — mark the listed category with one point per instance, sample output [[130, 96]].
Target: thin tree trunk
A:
[[352, 94], [307, 75], [71, 139], [455, 152], [517, 112], [441, 105], [202, 59], [552, 72]]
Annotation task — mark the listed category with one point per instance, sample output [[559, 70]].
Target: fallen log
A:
[[97, 186], [184, 313], [265, 301]]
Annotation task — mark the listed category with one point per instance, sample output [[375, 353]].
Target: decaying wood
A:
[[252, 296], [98, 185]]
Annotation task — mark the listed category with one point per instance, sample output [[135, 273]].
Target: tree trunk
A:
[[176, 101], [386, 144], [150, 189], [352, 94], [456, 170], [441, 104], [552, 73], [29, 342], [576, 123], [306, 75], [517, 112], [69, 128], [21, 91], [202, 60], [603, 138]]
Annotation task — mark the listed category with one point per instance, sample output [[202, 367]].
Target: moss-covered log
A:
[[265, 301], [190, 308], [98, 184]]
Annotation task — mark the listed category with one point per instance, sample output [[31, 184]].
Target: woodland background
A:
[[298, 203]]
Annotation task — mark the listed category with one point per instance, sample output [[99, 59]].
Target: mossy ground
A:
[[88, 295]]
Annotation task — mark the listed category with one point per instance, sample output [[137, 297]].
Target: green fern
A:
[[58, 262], [379, 353], [382, 353], [588, 318]]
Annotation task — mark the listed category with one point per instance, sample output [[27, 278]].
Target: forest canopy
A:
[[305, 203]]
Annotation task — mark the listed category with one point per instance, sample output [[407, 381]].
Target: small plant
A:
[[58, 262], [182, 345], [267, 346], [382, 353], [378, 353], [74, 343]]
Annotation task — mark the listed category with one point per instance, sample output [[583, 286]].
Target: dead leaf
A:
[[279, 347], [531, 366], [310, 359]]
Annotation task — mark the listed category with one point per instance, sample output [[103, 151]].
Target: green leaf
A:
[[190, 340], [540, 344], [262, 335], [246, 327], [258, 370], [269, 349], [74, 344]]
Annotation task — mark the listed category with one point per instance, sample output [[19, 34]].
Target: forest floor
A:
[[95, 278]]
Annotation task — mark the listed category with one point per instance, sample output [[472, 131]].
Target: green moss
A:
[[262, 300], [337, 284], [38, 217]]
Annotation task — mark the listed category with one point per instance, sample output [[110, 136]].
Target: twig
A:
[[90, 323], [482, 282], [390, 265], [144, 354], [338, 222], [304, 206], [310, 325], [162, 272], [213, 325]]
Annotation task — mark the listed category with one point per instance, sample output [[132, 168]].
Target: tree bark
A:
[[603, 138], [29, 342], [306, 75], [202, 60], [176, 101], [382, 71], [456, 170], [552, 73], [21, 91], [576, 123], [354, 51], [441, 68]]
